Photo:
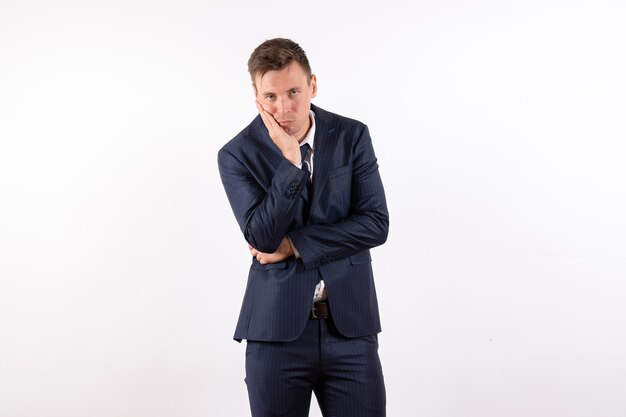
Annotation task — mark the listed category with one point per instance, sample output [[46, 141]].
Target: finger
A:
[[263, 114], [260, 109], [266, 258], [271, 123]]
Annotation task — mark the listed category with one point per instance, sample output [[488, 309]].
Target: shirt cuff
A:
[[295, 251]]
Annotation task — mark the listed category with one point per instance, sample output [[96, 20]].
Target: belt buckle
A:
[[313, 312], [321, 316]]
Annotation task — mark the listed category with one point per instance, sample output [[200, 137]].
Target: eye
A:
[[293, 92], [270, 97]]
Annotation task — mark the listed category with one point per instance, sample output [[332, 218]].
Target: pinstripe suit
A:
[[332, 228]]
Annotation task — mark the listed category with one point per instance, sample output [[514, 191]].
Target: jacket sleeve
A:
[[367, 224], [264, 215]]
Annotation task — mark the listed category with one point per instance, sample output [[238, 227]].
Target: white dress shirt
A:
[[320, 291]]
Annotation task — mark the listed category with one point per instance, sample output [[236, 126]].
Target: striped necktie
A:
[[306, 157], [305, 153]]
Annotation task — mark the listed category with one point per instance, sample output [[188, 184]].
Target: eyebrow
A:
[[271, 92]]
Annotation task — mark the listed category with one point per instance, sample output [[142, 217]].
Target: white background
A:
[[499, 128]]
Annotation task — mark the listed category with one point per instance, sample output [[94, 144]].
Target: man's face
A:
[[287, 95]]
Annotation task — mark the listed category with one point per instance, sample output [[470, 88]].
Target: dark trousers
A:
[[345, 374]]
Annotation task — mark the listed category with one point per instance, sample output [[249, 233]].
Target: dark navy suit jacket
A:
[[332, 227]]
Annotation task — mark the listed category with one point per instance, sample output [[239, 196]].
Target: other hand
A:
[[284, 251]]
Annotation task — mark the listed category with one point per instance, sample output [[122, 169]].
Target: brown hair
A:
[[276, 54]]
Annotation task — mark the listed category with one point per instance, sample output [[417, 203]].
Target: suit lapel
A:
[[323, 154]]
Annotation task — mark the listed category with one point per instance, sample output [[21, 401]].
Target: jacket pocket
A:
[[277, 265], [337, 172], [361, 258]]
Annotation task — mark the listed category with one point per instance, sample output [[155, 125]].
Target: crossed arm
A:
[[264, 216]]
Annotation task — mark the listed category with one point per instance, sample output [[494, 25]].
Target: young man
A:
[[304, 186]]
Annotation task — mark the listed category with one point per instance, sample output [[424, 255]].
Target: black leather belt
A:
[[320, 310]]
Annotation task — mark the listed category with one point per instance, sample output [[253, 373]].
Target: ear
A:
[[254, 90], [313, 85]]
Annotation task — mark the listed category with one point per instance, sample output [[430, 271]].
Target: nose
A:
[[282, 105]]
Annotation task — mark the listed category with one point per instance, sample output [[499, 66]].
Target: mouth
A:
[[285, 123]]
